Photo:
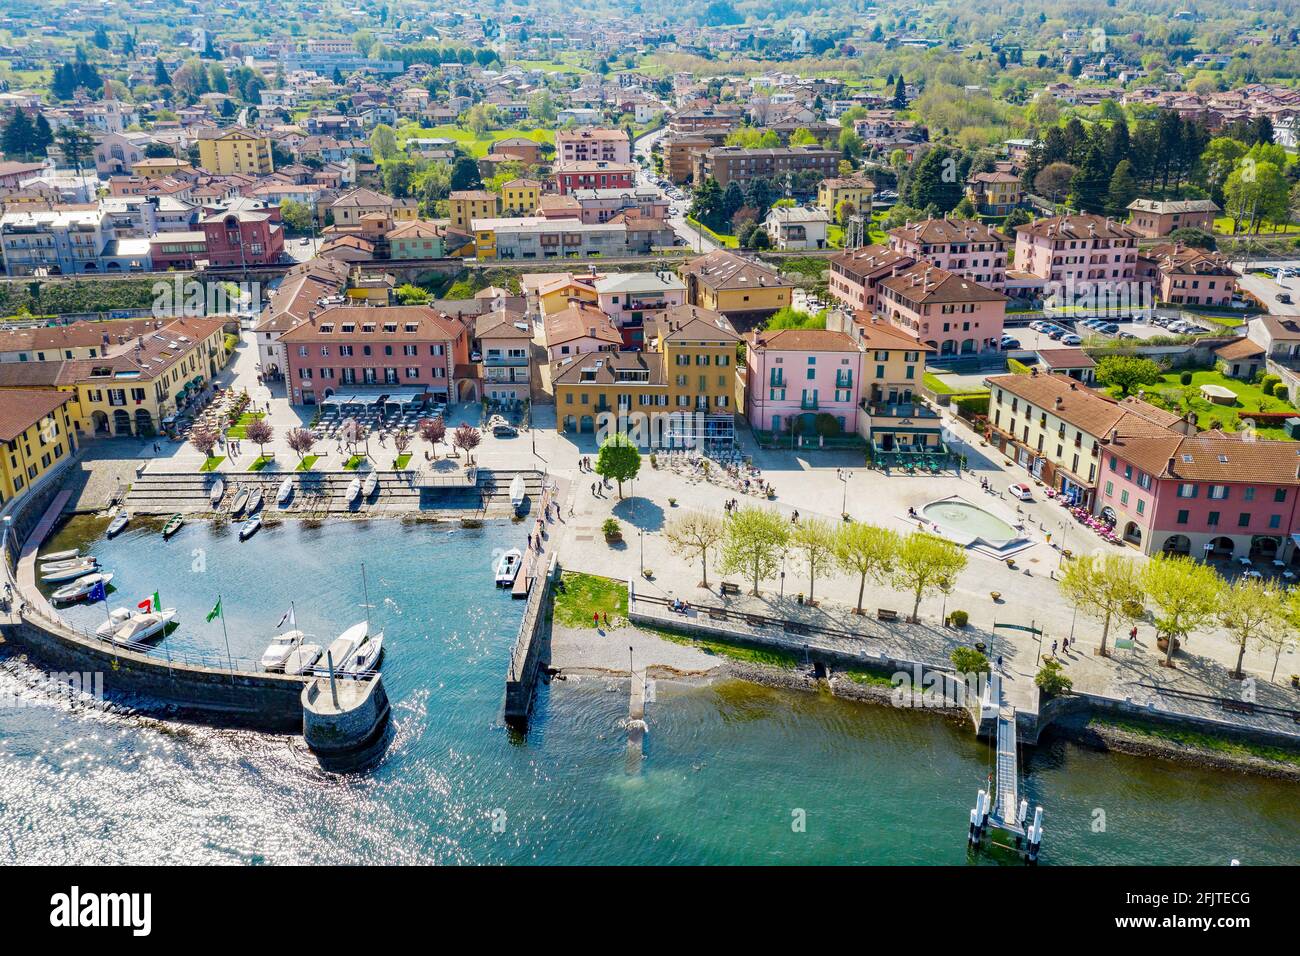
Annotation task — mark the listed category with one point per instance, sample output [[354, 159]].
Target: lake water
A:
[[728, 773]]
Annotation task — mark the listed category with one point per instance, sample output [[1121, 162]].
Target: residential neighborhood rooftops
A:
[[20, 409]]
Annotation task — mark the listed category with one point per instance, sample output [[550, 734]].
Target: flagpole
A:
[[230, 660]]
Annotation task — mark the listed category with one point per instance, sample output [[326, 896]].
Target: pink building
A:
[[590, 144], [1187, 276], [949, 313], [248, 236], [1084, 248], [797, 374], [368, 350], [965, 247], [856, 273], [594, 175], [1208, 496]]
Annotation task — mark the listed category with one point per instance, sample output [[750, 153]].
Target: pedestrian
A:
[[607, 619], [596, 619], [1065, 645], [999, 662], [1053, 648]]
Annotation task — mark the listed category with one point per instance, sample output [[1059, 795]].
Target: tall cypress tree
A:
[[17, 138]]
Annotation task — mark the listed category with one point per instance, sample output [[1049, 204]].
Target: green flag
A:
[[216, 610], [157, 602]]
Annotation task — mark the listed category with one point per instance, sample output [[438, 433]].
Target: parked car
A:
[[1284, 298], [1071, 339], [1021, 491], [1010, 343]]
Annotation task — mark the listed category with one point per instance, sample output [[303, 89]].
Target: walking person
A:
[[1053, 648]]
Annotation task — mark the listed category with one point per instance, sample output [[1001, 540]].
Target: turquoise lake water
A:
[[727, 770]]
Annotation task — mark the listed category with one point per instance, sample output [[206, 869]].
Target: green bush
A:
[[959, 618], [1185, 378], [612, 529], [967, 660], [1281, 391], [1017, 367], [971, 406], [1267, 381], [1052, 679]]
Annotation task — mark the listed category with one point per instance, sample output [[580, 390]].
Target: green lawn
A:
[[307, 462], [477, 147], [579, 596], [1170, 393], [1223, 225], [353, 463], [260, 462], [238, 430], [937, 385], [726, 240], [401, 461], [212, 462]]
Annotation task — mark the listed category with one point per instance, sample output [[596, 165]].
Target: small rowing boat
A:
[[241, 500], [372, 482], [60, 555], [117, 524], [285, 491], [173, 525], [249, 528], [353, 492], [218, 492]]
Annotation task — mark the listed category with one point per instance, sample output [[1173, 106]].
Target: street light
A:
[[641, 535], [844, 475]]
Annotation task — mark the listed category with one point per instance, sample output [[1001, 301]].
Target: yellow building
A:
[[745, 292], [555, 292], [895, 361], [520, 197], [235, 150], [687, 368], [160, 167], [469, 204], [853, 190], [37, 432]]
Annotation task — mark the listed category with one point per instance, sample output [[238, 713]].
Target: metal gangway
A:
[[1003, 808]]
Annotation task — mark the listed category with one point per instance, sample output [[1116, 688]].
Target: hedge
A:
[[968, 406], [1019, 368]]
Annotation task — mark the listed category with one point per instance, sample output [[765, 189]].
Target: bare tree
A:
[[401, 442], [694, 535]]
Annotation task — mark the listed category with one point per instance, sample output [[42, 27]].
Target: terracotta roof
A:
[[1084, 226], [1066, 358], [871, 261], [1211, 456], [877, 333], [149, 354], [20, 409], [924, 283], [606, 368], [691, 323], [578, 321], [726, 270], [943, 231], [1240, 349], [300, 292], [503, 324], [1085, 409], [371, 325], [801, 340]]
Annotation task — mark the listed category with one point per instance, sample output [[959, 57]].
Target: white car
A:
[[1022, 492]]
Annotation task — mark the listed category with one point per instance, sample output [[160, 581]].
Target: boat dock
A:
[[1004, 809]]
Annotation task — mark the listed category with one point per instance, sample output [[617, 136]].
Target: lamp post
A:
[[641, 535], [843, 474]]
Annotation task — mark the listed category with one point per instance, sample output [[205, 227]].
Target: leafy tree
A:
[[695, 534], [967, 660], [1052, 679], [1185, 593], [926, 564], [259, 431], [465, 175], [432, 430], [899, 101], [1108, 588], [618, 459], [18, 137], [77, 146], [408, 294], [707, 203], [756, 539], [813, 540], [296, 215], [867, 551], [1194, 238], [1122, 190], [204, 438], [466, 437], [936, 181], [301, 441], [1127, 372], [1054, 181], [1248, 610], [383, 142]]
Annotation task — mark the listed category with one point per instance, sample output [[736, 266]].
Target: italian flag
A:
[[151, 603]]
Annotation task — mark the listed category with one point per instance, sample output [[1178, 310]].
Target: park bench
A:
[[717, 614], [1238, 706], [726, 587], [884, 614], [755, 620]]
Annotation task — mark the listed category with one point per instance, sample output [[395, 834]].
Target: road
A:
[[1267, 290], [676, 207]]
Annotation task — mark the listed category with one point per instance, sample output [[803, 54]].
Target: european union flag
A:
[[97, 593]]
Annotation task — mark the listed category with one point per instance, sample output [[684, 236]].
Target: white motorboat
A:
[[79, 589], [280, 648], [60, 555], [71, 573], [249, 527], [54, 567], [517, 492], [116, 618], [353, 492], [301, 659], [144, 626], [345, 645], [218, 491], [284, 492], [241, 500], [508, 567], [364, 659], [372, 482], [117, 524], [255, 501]]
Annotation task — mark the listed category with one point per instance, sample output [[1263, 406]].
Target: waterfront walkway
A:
[[27, 559]]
